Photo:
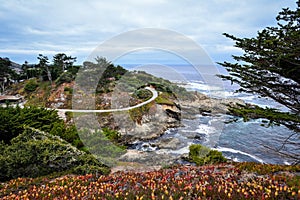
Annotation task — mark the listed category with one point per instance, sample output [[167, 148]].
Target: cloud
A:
[[79, 26]]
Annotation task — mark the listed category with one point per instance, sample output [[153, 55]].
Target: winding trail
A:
[[154, 96]]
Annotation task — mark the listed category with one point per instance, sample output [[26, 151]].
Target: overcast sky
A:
[[30, 27]]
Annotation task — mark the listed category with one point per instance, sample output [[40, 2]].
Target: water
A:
[[238, 141]]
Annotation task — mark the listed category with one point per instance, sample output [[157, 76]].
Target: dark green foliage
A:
[[44, 68], [132, 81], [14, 120], [6, 74], [273, 116], [61, 70], [109, 76], [98, 143], [71, 136], [112, 135], [34, 153], [73, 69], [31, 85], [142, 94], [202, 155], [270, 67], [5, 69], [62, 62], [65, 77]]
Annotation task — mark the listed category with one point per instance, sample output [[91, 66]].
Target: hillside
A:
[[59, 151], [225, 181]]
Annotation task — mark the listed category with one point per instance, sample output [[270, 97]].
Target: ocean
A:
[[239, 141]]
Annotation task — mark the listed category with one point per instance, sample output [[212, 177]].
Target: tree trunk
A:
[[49, 74]]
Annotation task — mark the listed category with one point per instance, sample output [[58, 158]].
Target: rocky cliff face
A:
[[161, 117], [204, 105], [152, 125]]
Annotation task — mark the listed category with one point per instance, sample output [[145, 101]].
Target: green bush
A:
[[68, 89], [203, 155], [99, 143], [35, 153], [65, 77], [142, 94], [111, 134], [13, 121], [31, 85]]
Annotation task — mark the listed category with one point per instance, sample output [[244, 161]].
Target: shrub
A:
[[35, 153], [31, 85], [111, 134], [65, 77], [203, 155], [68, 89], [143, 94], [13, 121]]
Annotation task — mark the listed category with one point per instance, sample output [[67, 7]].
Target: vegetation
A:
[[100, 73], [99, 143], [34, 153], [31, 85], [13, 121], [206, 182], [270, 67], [112, 135], [36, 142], [142, 94], [165, 99], [7, 75], [65, 77], [61, 63], [137, 114], [40, 95], [203, 155]]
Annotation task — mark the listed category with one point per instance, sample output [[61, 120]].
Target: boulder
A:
[[169, 143]]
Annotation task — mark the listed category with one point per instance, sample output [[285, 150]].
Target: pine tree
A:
[[270, 67]]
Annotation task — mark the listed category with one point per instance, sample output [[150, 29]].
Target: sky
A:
[[78, 27]]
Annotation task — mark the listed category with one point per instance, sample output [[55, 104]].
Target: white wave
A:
[[222, 149], [201, 86], [205, 129], [188, 131]]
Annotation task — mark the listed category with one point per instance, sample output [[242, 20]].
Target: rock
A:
[[148, 158], [184, 156], [135, 167], [208, 106], [173, 114], [152, 125], [168, 143]]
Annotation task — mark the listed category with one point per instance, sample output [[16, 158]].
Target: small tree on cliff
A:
[[43, 64], [270, 67]]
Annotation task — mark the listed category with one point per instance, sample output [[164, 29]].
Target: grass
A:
[[164, 99]]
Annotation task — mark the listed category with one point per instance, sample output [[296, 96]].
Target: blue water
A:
[[238, 141]]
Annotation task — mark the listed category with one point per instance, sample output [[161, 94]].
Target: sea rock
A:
[[204, 105], [152, 125], [148, 158], [169, 143]]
